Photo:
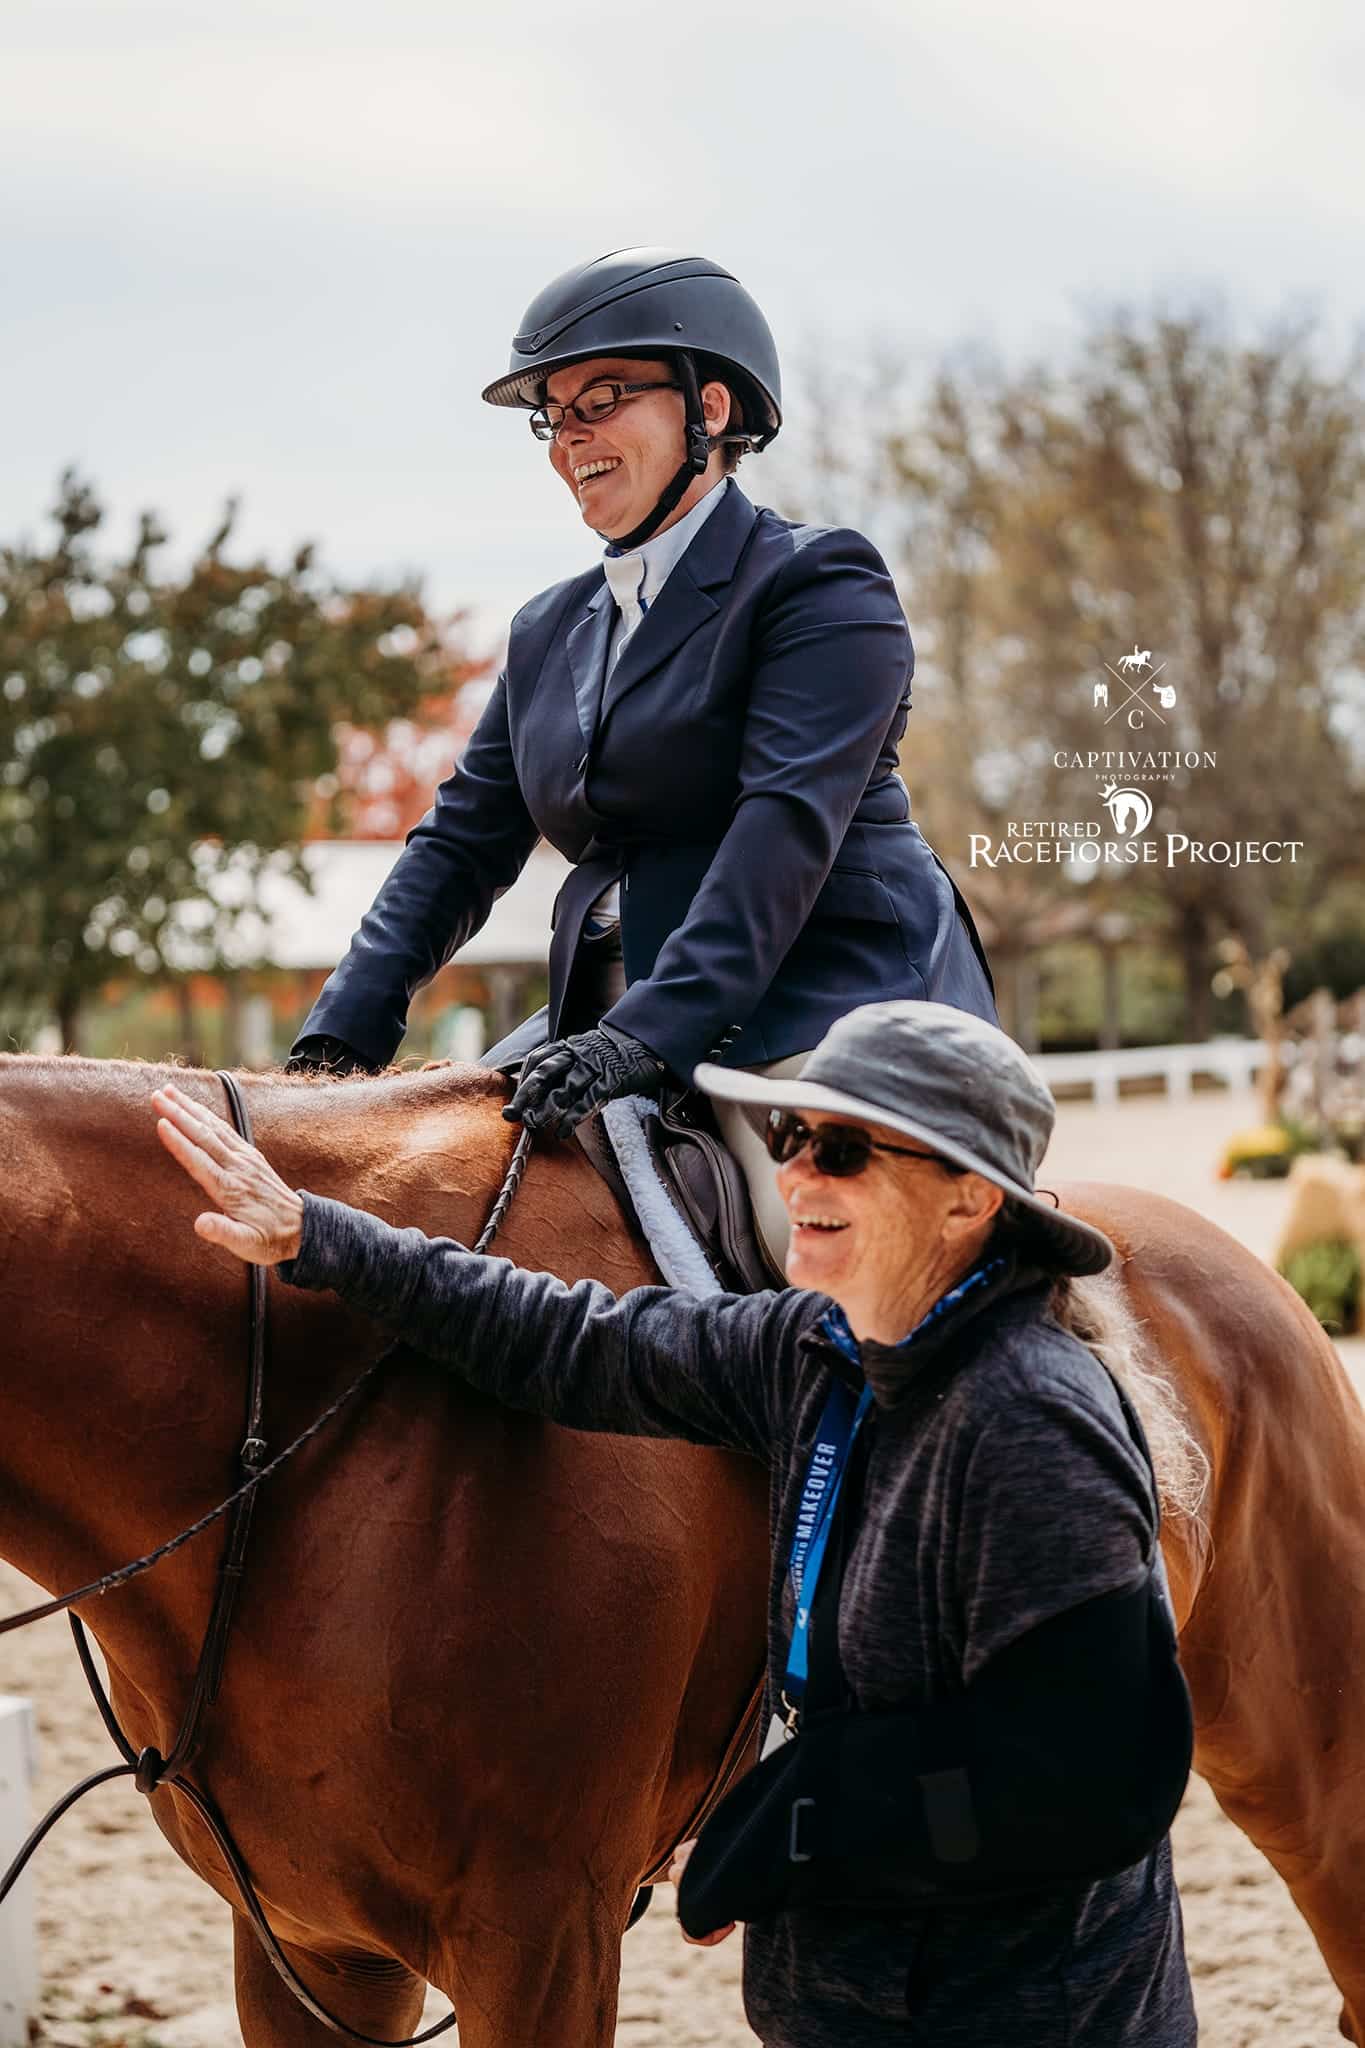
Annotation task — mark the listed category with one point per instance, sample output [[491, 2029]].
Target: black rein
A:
[[149, 1770]]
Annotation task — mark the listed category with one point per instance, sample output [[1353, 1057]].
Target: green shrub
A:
[[1327, 1276]]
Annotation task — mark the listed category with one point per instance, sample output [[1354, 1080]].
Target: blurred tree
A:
[[1329, 948], [1168, 488], [385, 778], [147, 717]]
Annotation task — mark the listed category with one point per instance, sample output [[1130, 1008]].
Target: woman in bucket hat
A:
[[978, 1732], [705, 723]]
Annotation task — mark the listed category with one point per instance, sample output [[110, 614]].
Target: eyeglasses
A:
[[840, 1150], [598, 402]]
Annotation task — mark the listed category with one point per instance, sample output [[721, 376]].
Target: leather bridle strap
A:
[[149, 1770], [250, 1459]]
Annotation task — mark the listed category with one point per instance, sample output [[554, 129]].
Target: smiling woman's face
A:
[[885, 1242], [641, 443]]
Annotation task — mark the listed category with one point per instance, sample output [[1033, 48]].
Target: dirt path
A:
[[136, 1951]]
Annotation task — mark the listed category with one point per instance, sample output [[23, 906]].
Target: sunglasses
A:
[[839, 1150]]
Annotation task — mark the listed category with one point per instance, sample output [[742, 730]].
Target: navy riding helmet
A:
[[654, 303]]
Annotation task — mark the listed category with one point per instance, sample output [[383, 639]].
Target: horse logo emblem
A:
[[1135, 675], [1130, 809]]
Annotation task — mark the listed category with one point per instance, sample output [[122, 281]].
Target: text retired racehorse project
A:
[[484, 1669]]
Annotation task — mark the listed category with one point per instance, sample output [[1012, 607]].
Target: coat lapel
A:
[[685, 602], [587, 651]]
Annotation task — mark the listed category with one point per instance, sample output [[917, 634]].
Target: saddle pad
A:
[[677, 1253]]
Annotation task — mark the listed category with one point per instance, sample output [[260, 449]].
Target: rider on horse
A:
[[705, 724]]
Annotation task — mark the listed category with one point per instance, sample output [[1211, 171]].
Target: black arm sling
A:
[[1063, 1761]]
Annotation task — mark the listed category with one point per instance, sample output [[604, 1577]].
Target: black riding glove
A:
[[567, 1079], [323, 1055]]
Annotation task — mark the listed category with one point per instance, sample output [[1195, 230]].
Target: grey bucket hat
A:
[[951, 1080]]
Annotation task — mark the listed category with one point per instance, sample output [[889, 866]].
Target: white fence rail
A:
[[1234, 1061], [18, 1943]]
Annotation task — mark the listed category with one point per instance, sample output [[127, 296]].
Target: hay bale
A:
[[1326, 1204], [1326, 1199], [1353, 1208]]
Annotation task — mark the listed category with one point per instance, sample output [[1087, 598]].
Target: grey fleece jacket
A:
[[998, 1493]]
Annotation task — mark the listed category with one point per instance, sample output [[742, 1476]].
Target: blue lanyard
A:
[[839, 1425]]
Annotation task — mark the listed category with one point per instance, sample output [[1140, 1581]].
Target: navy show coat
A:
[[737, 773]]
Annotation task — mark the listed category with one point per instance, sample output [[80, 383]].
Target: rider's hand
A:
[[566, 1080], [675, 1871], [258, 1217], [325, 1055]]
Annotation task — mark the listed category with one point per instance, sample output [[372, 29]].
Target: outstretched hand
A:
[[258, 1218]]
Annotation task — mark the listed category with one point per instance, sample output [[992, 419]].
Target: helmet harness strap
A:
[[698, 454]]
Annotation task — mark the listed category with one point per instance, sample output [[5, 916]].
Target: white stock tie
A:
[[625, 576]]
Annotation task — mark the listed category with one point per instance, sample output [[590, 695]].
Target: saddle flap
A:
[[691, 1177], [708, 1185]]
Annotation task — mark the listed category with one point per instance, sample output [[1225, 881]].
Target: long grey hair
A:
[[1093, 1309]]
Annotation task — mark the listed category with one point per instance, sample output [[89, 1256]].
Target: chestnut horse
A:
[[483, 1669]]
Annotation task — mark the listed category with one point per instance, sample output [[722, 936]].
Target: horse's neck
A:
[[432, 1149], [122, 1393], [428, 1148], [109, 1392]]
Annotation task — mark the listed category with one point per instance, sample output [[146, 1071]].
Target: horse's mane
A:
[[469, 1082], [1094, 1309], [426, 1144]]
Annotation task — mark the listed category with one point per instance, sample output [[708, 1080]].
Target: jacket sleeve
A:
[[471, 845], [832, 667], [654, 1363]]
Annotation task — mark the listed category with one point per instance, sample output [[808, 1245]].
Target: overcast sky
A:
[[277, 250]]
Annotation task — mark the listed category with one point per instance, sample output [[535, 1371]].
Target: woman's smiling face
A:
[[886, 1242], [640, 444]]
